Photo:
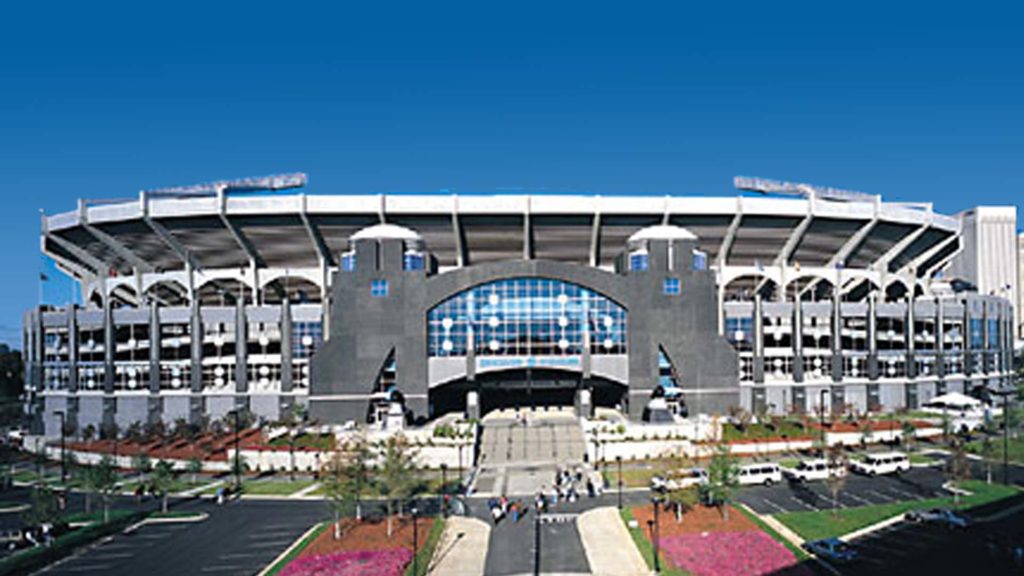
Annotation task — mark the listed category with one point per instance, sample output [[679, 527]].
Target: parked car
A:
[[943, 516], [679, 479], [831, 549], [815, 469], [766, 473], [881, 463]]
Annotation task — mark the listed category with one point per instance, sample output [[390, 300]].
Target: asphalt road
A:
[[916, 484], [983, 548], [239, 538]]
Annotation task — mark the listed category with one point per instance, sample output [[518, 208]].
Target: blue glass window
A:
[[671, 286], [348, 262], [638, 261], [306, 338], [412, 261], [976, 333], [526, 317], [666, 372], [700, 260], [993, 333], [379, 288]]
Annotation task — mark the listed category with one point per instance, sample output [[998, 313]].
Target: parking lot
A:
[[916, 484], [238, 538]]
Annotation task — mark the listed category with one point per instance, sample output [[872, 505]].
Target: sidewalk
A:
[[609, 547], [462, 550]]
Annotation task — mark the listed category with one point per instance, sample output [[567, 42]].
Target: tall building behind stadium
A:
[[245, 295]]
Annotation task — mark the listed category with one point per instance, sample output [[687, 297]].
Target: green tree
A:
[[988, 452], [723, 479], [42, 507], [682, 501], [867, 432], [238, 468], [104, 483], [836, 480], [162, 479], [194, 467], [345, 478], [398, 475], [908, 434], [142, 464], [958, 468]]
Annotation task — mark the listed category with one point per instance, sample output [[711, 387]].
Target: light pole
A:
[[1006, 437], [444, 489], [415, 542], [238, 462], [618, 460], [821, 413], [656, 535], [63, 456], [536, 541]]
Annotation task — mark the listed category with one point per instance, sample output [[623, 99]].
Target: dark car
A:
[[943, 516], [831, 549]]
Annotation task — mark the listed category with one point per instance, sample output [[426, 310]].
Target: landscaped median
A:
[[829, 523], [364, 549], [706, 543]]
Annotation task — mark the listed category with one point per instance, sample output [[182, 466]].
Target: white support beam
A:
[[595, 237], [186, 257], [730, 235], [527, 232], [843, 254], [112, 243], [236, 232], [99, 266], [461, 258], [794, 240], [315, 236]]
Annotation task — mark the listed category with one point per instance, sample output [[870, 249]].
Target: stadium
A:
[[245, 295]]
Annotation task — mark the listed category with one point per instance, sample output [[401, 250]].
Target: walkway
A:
[[462, 550], [609, 547]]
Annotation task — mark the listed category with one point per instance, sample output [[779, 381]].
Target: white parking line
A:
[[859, 499], [237, 555], [805, 504], [224, 568], [101, 555], [87, 568], [905, 494], [289, 533], [882, 496], [773, 505]]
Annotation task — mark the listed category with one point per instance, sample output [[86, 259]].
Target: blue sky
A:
[[915, 103]]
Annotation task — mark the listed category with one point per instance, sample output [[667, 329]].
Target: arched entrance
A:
[[525, 388]]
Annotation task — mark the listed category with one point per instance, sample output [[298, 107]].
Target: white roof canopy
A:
[[954, 400]]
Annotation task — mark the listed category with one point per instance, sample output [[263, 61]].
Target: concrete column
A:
[[155, 401], [837, 345], [909, 336], [940, 339], [985, 353], [72, 312], [241, 357], [798, 341], [872, 367], [758, 340], [197, 404], [109, 400], [968, 353], [286, 346]]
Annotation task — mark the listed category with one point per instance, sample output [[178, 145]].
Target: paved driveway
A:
[[239, 538], [917, 484]]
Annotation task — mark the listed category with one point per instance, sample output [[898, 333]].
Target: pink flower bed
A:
[[731, 554], [362, 563]]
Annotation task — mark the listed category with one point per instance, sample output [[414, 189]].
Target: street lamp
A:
[[444, 489], [821, 412], [415, 542], [655, 535], [536, 541], [618, 459], [63, 455]]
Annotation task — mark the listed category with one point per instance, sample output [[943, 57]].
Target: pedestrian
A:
[[590, 488], [514, 507], [220, 496]]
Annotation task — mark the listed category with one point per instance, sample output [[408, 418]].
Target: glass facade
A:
[[700, 260], [526, 317], [671, 286], [638, 261], [379, 288]]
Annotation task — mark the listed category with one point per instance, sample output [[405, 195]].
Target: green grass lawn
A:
[[796, 550], [320, 441], [631, 477], [275, 487], [178, 485], [916, 458], [646, 548], [825, 523], [426, 553], [176, 514], [1015, 449]]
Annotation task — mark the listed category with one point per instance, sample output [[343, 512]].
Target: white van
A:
[[679, 479], [816, 469], [882, 463], [766, 473]]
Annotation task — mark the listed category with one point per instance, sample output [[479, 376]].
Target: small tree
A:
[[723, 479], [42, 507], [142, 464], [162, 480], [988, 452], [89, 433], [194, 467], [958, 468], [908, 433], [398, 475], [683, 501], [836, 480], [105, 483], [345, 477], [867, 431]]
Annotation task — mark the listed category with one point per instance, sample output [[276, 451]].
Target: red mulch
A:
[[205, 446], [369, 535], [876, 425], [698, 519]]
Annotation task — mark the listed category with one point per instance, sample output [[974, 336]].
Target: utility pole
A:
[[63, 455]]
